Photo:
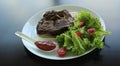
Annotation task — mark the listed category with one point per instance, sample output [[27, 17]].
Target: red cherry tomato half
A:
[[78, 33], [91, 31], [82, 24], [61, 52]]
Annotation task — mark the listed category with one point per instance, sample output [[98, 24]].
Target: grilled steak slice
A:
[[54, 22]]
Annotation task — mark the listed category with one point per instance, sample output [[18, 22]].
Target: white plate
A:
[[30, 30]]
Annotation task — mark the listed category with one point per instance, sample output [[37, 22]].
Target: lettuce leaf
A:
[[79, 45]]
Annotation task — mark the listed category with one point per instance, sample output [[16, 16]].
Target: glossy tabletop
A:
[[15, 13]]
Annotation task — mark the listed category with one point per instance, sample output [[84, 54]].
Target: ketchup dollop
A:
[[45, 45]]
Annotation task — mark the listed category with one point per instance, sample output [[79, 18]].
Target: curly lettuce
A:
[[79, 45]]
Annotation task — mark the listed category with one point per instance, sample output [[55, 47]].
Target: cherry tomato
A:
[[82, 24], [78, 33], [61, 52], [91, 31]]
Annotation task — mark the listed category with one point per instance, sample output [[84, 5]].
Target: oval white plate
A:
[[30, 30]]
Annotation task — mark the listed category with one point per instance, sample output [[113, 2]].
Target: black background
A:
[[15, 13]]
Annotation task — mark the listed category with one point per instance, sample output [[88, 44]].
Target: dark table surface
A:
[[15, 13]]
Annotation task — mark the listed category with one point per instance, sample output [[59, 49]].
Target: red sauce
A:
[[45, 45]]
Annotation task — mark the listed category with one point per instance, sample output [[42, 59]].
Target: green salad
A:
[[87, 33]]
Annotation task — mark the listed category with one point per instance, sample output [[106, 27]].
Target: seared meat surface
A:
[[54, 22]]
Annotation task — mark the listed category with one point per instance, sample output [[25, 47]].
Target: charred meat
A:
[[54, 22]]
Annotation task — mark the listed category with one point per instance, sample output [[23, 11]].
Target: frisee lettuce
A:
[[79, 45]]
